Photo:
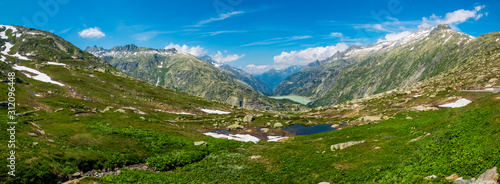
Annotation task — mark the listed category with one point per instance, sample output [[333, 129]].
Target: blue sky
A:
[[254, 35]]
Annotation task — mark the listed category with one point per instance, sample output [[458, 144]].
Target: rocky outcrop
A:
[[345, 145], [488, 177], [248, 118]]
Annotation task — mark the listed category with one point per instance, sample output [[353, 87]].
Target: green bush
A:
[[175, 159]]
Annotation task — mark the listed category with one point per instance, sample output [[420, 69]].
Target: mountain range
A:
[[360, 72], [186, 73]]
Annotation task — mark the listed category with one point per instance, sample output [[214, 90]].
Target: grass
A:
[[461, 141]]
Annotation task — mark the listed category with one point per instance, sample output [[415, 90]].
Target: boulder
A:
[[120, 110], [409, 118], [265, 130], [372, 118], [335, 125], [41, 132], [32, 134], [255, 156], [234, 127], [278, 125], [200, 143], [452, 177], [430, 177], [488, 177], [76, 174], [345, 145], [248, 118]]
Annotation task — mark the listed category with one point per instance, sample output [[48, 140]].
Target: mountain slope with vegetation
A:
[[189, 74], [360, 72]]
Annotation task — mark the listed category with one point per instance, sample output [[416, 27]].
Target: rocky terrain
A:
[[362, 71]]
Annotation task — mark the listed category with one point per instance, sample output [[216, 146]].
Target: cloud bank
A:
[[199, 51], [306, 56]]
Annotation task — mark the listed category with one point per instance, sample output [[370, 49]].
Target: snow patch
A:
[[498, 39], [17, 55], [54, 63], [6, 51], [39, 75], [237, 137], [37, 95], [158, 81], [209, 111], [412, 48], [180, 113], [3, 34], [272, 138], [444, 35], [417, 96], [2, 58], [459, 103], [448, 39], [8, 46]]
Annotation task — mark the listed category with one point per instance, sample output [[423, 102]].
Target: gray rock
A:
[[488, 177], [32, 134], [248, 118], [76, 174], [255, 156], [41, 132], [324, 182], [430, 177], [265, 130], [234, 127], [120, 110], [409, 118], [278, 125], [202, 143], [345, 145], [35, 143]]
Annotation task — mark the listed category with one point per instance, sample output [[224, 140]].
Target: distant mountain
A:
[[248, 79], [362, 71], [189, 74], [273, 77]]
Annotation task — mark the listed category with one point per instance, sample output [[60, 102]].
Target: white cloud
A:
[[221, 17], [195, 51], [257, 69], [220, 58], [395, 36], [454, 18], [336, 35], [304, 57], [145, 36], [94, 32], [199, 51], [221, 32], [300, 37], [277, 41]]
